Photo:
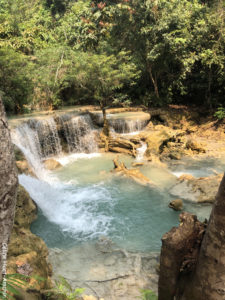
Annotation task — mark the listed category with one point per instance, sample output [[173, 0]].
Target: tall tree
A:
[[8, 187]]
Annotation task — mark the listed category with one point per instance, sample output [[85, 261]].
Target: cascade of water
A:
[[141, 151], [39, 139], [79, 133], [48, 136], [127, 126], [27, 140]]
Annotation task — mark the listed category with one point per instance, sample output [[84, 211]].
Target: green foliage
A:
[[64, 288], [148, 295], [15, 82], [125, 52], [24, 25], [103, 76], [220, 113]]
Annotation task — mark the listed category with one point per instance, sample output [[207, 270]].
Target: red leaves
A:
[[101, 5]]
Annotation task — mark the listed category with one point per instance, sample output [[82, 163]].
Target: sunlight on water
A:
[[90, 201], [84, 199]]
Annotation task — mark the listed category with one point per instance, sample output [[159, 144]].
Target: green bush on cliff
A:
[[148, 295]]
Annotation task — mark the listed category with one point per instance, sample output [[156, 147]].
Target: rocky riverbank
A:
[[169, 136], [27, 253]]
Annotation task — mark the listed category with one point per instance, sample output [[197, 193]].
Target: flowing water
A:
[[125, 123], [84, 200]]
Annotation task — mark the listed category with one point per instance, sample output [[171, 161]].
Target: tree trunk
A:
[[208, 281], [8, 188], [154, 82], [105, 121], [179, 251]]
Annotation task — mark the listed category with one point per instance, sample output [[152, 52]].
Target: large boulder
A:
[[176, 204], [200, 190], [52, 164], [164, 142]]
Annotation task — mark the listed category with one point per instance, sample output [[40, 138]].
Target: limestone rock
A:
[[164, 142], [200, 190], [176, 204], [23, 167], [195, 146], [104, 244], [52, 164], [26, 209]]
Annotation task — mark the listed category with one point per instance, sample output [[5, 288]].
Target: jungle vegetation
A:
[[112, 52]]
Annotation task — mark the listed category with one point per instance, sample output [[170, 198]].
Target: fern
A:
[[64, 288], [15, 282]]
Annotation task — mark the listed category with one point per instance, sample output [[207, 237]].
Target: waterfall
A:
[[48, 137], [127, 126], [27, 140], [79, 133], [39, 139], [122, 124]]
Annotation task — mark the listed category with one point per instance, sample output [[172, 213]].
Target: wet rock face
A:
[[200, 190], [176, 204], [27, 253]]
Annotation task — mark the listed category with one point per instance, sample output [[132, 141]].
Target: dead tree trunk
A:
[[178, 255], [192, 263], [8, 188], [208, 281]]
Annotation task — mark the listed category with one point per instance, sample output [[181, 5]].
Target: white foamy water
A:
[[178, 174], [141, 151], [26, 139], [75, 210], [64, 160]]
